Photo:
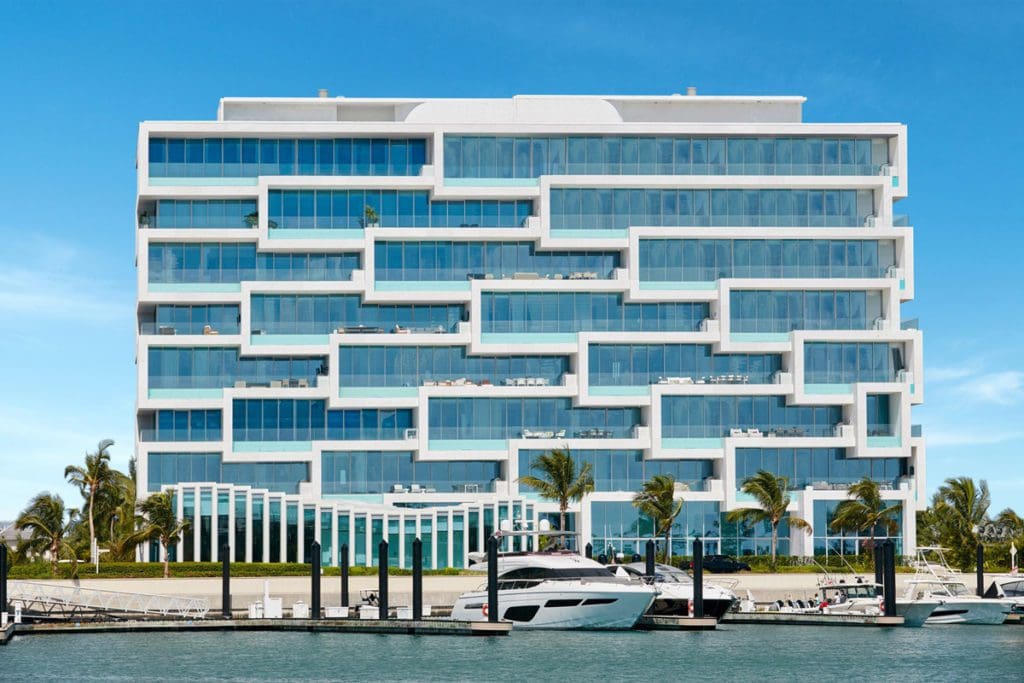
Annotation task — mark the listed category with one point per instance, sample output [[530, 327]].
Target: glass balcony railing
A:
[[177, 435], [232, 381], [189, 328]]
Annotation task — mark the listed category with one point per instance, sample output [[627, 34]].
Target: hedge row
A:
[[152, 570]]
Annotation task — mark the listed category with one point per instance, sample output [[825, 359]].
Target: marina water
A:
[[732, 653]]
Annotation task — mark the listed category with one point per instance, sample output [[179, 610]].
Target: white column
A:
[[300, 533], [248, 525]]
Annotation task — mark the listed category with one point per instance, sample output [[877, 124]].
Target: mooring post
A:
[[382, 578], [3, 578], [417, 579], [649, 566], [588, 551], [314, 574], [980, 569], [698, 579], [889, 573], [492, 579], [343, 559], [225, 581]]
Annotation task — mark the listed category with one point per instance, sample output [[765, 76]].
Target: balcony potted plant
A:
[[253, 220], [145, 220], [370, 217]]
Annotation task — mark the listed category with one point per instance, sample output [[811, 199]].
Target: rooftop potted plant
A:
[[370, 217]]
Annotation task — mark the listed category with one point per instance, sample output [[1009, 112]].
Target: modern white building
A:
[[362, 319]]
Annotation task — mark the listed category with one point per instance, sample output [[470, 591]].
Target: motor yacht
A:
[[839, 595], [935, 580], [558, 590], [1008, 587], [675, 591]]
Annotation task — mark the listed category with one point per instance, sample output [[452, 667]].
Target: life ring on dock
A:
[[484, 609]]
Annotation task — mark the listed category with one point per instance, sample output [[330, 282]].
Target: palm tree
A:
[[92, 481], [770, 493], [126, 530], [48, 522], [960, 507], [162, 523], [657, 500], [559, 480], [866, 511]]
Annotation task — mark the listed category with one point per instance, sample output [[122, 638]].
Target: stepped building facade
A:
[[363, 319]]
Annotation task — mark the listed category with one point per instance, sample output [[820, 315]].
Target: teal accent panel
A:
[[289, 339], [271, 446], [370, 498], [692, 443], [492, 182], [745, 497], [903, 283], [884, 442], [186, 393], [620, 391], [468, 445], [895, 181], [377, 392], [287, 234], [201, 182], [538, 338], [771, 337], [701, 286], [828, 388], [912, 388], [194, 287], [421, 286], [590, 234]]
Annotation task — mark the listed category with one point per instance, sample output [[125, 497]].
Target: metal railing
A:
[[50, 597]]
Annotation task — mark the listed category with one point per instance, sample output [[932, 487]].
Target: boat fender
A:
[[484, 609], [689, 607]]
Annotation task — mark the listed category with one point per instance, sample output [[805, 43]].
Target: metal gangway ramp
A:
[[53, 599]]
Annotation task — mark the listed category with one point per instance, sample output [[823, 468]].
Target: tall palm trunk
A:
[[775, 541], [54, 550], [668, 546], [92, 525], [167, 558]]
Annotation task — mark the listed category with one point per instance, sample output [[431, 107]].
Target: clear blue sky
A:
[[76, 78]]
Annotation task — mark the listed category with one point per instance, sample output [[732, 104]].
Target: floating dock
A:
[[797, 619], [665, 623], [6, 633], [423, 627]]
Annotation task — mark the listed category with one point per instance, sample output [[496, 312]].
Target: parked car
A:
[[722, 564]]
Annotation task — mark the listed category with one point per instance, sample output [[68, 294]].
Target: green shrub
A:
[[155, 570]]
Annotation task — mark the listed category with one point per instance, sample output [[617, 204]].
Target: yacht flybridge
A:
[[558, 590], [935, 580]]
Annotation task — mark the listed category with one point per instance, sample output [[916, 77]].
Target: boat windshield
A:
[[850, 591], [957, 588], [560, 574]]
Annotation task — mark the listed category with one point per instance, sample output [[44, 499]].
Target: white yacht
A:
[[1008, 587], [675, 591], [557, 590], [935, 580], [858, 596]]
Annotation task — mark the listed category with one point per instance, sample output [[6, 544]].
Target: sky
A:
[[76, 78]]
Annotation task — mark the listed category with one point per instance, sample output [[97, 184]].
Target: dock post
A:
[[225, 582], [417, 579], [889, 575], [343, 560], [382, 578], [314, 573], [979, 568], [698, 579], [492, 579], [879, 556], [588, 551], [3, 578], [649, 566]]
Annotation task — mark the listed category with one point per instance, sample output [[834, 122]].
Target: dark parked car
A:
[[722, 564]]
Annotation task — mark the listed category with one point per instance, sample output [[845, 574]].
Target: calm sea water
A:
[[733, 653]]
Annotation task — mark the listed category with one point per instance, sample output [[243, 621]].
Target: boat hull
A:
[[915, 613], [561, 607], [985, 612]]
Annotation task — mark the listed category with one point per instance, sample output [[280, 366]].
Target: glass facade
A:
[[251, 157], [706, 260], [355, 472], [820, 468], [201, 213], [187, 367], [880, 415], [618, 527], [309, 420], [411, 366], [324, 314], [455, 261], [182, 425], [781, 311], [167, 469], [714, 416], [467, 156], [213, 262], [625, 470], [348, 210], [513, 418], [546, 312], [828, 541], [193, 319], [618, 209], [642, 364], [849, 362]]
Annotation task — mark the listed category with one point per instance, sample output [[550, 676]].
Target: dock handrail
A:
[[50, 596]]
